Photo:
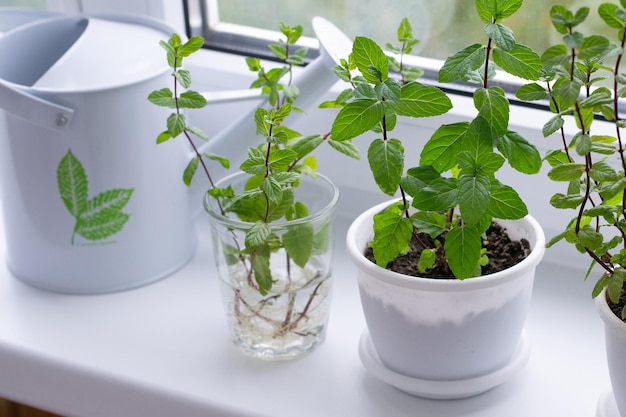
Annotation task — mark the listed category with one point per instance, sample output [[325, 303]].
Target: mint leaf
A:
[[531, 92], [257, 235], [505, 203], [298, 242], [490, 10], [261, 267], [457, 66], [493, 106], [608, 13], [72, 182], [176, 124], [356, 118], [474, 196], [566, 172], [521, 154], [429, 222], [190, 170], [440, 151], [183, 77], [462, 247], [501, 35], [163, 97], [322, 239], [562, 201], [392, 233], [386, 159], [191, 100], [552, 125], [440, 194], [427, 260], [593, 46], [280, 159], [520, 61], [345, 147], [370, 60], [418, 100], [191, 46]]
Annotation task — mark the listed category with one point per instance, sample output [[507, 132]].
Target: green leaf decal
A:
[[114, 199], [98, 218], [73, 184], [101, 224]]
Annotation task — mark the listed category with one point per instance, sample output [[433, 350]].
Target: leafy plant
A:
[[99, 217], [274, 166], [454, 188], [592, 166]]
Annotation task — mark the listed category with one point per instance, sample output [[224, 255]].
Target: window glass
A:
[[443, 27], [36, 4]]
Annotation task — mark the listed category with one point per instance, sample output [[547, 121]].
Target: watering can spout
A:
[[313, 82]]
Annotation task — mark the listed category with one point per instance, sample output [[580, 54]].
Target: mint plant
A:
[[454, 190], [274, 166], [591, 166], [99, 217]]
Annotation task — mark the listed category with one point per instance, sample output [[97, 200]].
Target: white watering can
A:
[[91, 204]]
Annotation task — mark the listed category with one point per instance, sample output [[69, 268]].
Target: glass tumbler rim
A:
[[211, 208]]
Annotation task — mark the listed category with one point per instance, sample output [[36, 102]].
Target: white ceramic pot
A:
[[464, 334], [615, 336]]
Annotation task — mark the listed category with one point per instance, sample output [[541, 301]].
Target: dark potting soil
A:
[[500, 249]]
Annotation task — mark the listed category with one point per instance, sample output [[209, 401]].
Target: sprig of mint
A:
[[97, 218], [594, 188], [275, 166], [455, 187]]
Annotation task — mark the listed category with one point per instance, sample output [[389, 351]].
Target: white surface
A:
[[443, 390], [163, 350], [607, 406]]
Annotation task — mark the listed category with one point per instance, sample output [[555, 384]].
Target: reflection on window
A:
[[443, 27], [35, 4]]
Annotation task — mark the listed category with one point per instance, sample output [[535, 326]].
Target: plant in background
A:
[[454, 188], [592, 166]]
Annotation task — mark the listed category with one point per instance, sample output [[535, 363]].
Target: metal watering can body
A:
[[91, 204]]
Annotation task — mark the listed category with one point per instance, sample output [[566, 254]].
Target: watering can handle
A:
[[34, 109]]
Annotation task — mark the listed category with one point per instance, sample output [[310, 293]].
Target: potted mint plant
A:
[[591, 165], [447, 317], [271, 222]]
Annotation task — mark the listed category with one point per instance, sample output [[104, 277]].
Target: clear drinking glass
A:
[[291, 318]]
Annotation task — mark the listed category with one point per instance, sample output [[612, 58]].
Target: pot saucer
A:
[[443, 390], [607, 406]]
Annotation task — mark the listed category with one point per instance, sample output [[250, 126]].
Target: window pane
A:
[[36, 4], [443, 27]]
